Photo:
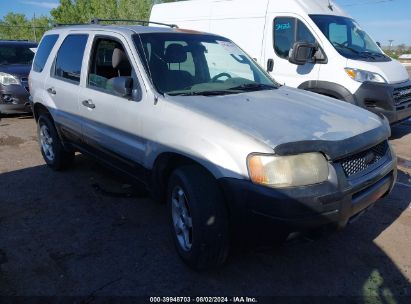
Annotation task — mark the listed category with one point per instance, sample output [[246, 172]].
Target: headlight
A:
[[363, 76], [6, 79], [287, 171]]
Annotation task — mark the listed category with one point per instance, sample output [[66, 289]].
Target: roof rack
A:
[[147, 22], [67, 24]]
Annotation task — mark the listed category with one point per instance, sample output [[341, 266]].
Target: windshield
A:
[[193, 64], [16, 54], [348, 38]]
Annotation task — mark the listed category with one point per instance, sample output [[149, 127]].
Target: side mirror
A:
[[122, 86], [301, 53]]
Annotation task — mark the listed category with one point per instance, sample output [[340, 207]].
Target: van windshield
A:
[[16, 54], [348, 38], [192, 64]]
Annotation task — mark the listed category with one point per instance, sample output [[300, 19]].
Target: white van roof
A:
[[310, 7], [201, 9]]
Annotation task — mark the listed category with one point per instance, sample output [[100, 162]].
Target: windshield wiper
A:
[[202, 93], [374, 54], [361, 54], [253, 87]]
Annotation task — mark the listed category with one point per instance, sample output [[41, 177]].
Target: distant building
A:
[[405, 58]]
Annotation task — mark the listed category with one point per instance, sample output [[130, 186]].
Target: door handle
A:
[[88, 103], [270, 65], [52, 91]]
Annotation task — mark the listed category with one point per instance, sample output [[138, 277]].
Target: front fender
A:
[[210, 154]]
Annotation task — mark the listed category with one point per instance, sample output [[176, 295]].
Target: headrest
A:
[[119, 59], [175, 53]]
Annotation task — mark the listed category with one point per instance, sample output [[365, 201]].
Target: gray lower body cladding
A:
[[391, 100]]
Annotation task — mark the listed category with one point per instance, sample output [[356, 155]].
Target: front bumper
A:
[[380, 98], [257, 208], [14, 99]]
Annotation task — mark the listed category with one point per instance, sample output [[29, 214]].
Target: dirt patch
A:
[[404, 163], [11, 141]]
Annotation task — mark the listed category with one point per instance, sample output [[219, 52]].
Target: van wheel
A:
[[51, 148], [198, 218]]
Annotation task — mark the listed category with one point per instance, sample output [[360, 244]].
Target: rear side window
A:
[[287, 31], [43, 52], [70, 57]]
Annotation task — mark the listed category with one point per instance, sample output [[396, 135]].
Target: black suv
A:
[[15, 64]]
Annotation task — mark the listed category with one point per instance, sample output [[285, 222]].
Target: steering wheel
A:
[[345, 43], [215, 78]]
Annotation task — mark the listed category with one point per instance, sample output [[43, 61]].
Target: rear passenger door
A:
[[111, 122], [62, 85]]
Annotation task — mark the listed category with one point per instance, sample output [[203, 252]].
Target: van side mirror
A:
[[122, 86], [301, 53]]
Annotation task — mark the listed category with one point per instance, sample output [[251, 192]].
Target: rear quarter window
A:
[[70, 57], [43, 52]]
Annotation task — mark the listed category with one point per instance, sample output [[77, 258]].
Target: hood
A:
[[393, 71], [285, 115], [22, 70]]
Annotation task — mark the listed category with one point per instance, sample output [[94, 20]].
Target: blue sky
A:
[[382, 19]]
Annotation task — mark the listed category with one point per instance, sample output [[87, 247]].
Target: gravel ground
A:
[[85, 232]]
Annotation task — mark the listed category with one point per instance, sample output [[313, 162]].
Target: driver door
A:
[[283, 32]]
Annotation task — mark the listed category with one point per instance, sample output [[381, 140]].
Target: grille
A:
[[402, 95], [361, 161]]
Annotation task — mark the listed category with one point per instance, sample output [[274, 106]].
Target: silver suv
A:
[[194, 118]]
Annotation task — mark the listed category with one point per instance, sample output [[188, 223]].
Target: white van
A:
[[309, 44]]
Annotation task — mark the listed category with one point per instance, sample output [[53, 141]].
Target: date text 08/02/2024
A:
[[203, 300]]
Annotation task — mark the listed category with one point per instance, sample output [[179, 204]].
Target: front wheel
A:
[[52, 150], [199, 222]]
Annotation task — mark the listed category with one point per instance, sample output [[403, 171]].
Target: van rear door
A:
[[282, 31]]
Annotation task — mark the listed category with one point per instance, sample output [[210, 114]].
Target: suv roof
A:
[[121, 28]]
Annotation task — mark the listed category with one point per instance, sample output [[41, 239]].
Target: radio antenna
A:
[[330, 6]]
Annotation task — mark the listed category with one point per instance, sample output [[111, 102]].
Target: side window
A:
[[109, 61], [284, 31], [304, 34], [70, 57], [43, 52]]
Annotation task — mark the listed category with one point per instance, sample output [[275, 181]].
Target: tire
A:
[[195, 192], [51, 148]]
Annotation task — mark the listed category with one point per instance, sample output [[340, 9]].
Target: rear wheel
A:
[[51, 148], [198, 218]]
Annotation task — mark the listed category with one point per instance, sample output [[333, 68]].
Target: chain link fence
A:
[[22, 32]]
